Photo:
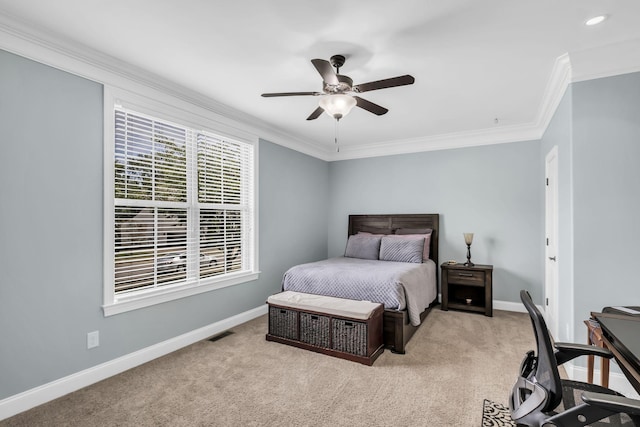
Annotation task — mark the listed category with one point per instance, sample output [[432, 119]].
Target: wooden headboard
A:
[[393, 222]]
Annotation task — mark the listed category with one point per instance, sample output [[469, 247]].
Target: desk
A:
[[594, 337], [621, 335]]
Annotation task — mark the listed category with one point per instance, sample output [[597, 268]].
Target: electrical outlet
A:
[[93, 339]]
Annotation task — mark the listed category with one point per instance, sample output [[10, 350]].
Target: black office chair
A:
[[540, 398]]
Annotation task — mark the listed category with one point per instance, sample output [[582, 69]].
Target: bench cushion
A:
[[351, 309]]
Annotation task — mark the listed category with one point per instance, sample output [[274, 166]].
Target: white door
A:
[[551, 242]]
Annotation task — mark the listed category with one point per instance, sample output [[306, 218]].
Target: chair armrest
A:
[[568, 351], [596, 406], [612, 402]]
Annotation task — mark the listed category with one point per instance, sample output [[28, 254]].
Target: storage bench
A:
[[338, 327]]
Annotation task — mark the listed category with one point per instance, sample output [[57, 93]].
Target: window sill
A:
[[131, 302]]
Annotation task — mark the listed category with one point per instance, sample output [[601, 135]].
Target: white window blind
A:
[[183, 205], [225, 201]]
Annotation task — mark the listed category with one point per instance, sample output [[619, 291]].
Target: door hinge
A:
[[547, 241], [547, 301], [547, 181]]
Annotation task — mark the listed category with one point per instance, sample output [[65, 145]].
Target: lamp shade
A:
[[338, 105], [468, 238]]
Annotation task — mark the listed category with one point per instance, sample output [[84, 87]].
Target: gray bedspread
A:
[[397, 285]]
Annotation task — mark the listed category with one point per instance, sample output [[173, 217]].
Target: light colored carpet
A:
[[454, 362]]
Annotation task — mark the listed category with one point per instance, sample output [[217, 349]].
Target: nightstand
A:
[[467, 288]]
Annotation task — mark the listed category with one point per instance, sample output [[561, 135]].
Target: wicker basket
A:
[[283, 322], [355, 334], [314, 329], [350, 336]]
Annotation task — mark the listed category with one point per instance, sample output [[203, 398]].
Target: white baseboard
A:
[[509, 306], [617, 381], [37, 396]]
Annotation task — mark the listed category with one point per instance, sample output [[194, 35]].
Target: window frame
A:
[[173, 110]]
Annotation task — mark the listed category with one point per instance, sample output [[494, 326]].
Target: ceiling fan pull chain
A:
[[336, 137]]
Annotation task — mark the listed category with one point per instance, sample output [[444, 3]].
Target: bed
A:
[[404, 279]]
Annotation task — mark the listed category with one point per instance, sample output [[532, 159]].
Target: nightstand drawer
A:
[[466, 277]]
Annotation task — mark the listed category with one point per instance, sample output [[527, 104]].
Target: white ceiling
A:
[[473, 61]]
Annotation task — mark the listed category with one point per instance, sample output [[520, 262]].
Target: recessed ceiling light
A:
[[595, 20]]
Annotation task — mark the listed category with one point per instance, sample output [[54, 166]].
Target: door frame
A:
[[551, 262]]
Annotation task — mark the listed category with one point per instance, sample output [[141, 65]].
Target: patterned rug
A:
[[495, 414]]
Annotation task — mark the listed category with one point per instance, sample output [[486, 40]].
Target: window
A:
[[183, 214]]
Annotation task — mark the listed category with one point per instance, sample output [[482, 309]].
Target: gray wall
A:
[[606, 151], [50, 223], [51, 233], [51, 217], [493, 191], [597, 131], [294, 195]]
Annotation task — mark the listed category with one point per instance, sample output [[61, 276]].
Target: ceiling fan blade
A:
[[316, 113], [370, 106], [326, 71], [383, 84], [269, 95]]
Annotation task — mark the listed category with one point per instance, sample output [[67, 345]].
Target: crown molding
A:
[[557, 84], [51, 49], [606, 61], [603, 61], [21, 38], [559, 81], [455, 140]]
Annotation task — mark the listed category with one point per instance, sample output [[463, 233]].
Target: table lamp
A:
[[468, 239]]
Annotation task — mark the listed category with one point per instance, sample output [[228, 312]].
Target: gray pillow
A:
[[422, 232], [364, 246], [402, 248]]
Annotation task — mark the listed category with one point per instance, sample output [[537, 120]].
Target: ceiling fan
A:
[[339, 94]]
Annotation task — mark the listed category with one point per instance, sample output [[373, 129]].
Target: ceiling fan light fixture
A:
[[337, 105], [339, 95]]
